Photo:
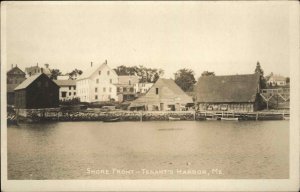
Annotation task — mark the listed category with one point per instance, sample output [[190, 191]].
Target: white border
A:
[[291, 184]]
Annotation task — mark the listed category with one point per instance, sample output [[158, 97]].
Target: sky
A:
[[223, 37]]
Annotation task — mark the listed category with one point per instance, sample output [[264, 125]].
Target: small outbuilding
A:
[[67, 90], [36, 92], [228, 93], [164, 95]]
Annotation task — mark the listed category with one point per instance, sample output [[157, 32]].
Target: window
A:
[[99, 72], [69, 87], [110, 89], [97, 81], [108, 72], [70, 93], [74, 93], [110, 81], [131, 89], [96, 97], [129, 82], [96, 89], [104, 89], [156, 91], [63, 94], [74, 87], [118, 89]]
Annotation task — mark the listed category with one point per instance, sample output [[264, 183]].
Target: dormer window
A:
[[156, 91]]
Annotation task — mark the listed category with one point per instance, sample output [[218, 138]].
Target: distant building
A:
[[67, 89], [126, 87], [37, 70], [125, 92], [164, 95], [37, 91], [15, 76], [97, 84], [63, 77], [128, 79], [276, 80], [228, 93], [142, 88]]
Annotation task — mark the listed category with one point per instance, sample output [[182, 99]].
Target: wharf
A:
[[38, 115]]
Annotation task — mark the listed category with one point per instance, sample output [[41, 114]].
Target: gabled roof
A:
[[277, 78], [231, 88], [30, 80], [15, 70], [45, 70], [91, 70], [124, 79], [65, 83], [173, 93]]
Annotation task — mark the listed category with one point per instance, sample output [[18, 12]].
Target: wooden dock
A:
[[259, 115]]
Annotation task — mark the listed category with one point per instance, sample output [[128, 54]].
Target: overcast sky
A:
[[224, 37]]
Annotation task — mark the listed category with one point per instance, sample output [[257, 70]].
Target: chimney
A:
[[46, 65], [106, 61], [12, 65], [91, 64], [37, 64]]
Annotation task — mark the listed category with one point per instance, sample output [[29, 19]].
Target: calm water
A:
[[146, 150]]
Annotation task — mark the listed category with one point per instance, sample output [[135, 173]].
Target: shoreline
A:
[[34, 116]]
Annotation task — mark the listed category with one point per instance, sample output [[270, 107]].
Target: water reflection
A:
[[64, 150]]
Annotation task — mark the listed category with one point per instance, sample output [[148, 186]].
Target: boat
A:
[[174, 118], [212, 118], [112, 120], [230, 118]]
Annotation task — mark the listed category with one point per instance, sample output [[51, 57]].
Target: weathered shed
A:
[[163, 95], [37, 91], [228, 93]]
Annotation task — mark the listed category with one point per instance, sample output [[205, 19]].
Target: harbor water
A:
[[149, 150]]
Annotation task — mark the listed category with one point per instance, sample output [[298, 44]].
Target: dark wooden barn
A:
[[37, 91], [228, 93], [15, 76]]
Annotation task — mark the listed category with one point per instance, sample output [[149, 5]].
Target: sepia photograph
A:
[[132, 95]]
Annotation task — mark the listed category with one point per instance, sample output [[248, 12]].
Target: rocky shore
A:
[[33, 116]]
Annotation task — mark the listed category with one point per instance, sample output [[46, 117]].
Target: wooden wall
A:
[[244, 107], [41, 93]]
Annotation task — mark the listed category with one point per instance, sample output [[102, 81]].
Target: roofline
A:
[[230, 75]]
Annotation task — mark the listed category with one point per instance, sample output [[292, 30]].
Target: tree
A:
[[74, 74], [260, 71], [185, 79], [147, 75], [54, 74], [287, 80], [123, 70], [208, 73]]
